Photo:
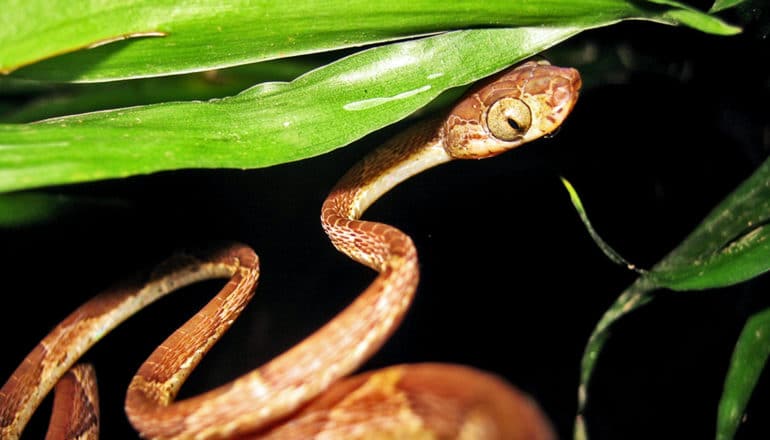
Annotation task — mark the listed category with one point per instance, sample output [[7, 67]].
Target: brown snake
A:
[[302, 393]]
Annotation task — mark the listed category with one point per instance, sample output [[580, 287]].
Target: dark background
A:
[[511, 282]]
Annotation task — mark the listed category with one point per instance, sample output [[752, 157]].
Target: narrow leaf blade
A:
[[748, 361], [729, 246], [721, 5]]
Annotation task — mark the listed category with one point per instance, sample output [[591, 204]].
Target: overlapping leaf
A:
[[728, 247], [272, 123], [269, 124], [748, 361], [136, 38]]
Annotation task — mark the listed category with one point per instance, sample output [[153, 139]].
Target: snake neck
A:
[[413, 151]]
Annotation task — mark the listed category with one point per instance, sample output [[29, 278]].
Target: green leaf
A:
[[30, 208], [54, 100], [705, 23], [746, 257], [268, 124], [748, 361], [721, 5], [632, 298], [273, 122], [138, 38], [745, 210], [729, 246], [605, 248], [681, 13]]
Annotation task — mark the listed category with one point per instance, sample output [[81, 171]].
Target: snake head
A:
[[512, 108]]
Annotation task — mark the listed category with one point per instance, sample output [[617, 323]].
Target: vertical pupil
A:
[[514, 125]]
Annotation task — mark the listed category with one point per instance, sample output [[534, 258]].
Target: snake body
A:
[[280, 399]]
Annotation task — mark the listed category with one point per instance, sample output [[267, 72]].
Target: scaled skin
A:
[[515, 107]]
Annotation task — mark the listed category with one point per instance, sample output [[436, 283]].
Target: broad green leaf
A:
[[268, 124], [279, 122], [748, 361], [138, 38], [728, 247], [276, 122]]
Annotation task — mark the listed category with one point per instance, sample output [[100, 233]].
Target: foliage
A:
[[270, 123], [141, 87]]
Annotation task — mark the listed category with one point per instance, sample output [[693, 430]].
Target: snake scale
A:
[[305, 392]]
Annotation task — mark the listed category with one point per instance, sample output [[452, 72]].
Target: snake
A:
[[307, 391]]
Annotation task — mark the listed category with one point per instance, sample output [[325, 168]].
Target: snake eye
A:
[[508, 119]]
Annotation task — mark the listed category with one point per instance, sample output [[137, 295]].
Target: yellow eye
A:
[[508, 119]]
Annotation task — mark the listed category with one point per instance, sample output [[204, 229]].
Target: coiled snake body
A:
[[280, 399]]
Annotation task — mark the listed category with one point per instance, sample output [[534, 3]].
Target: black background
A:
[[511, 282]]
